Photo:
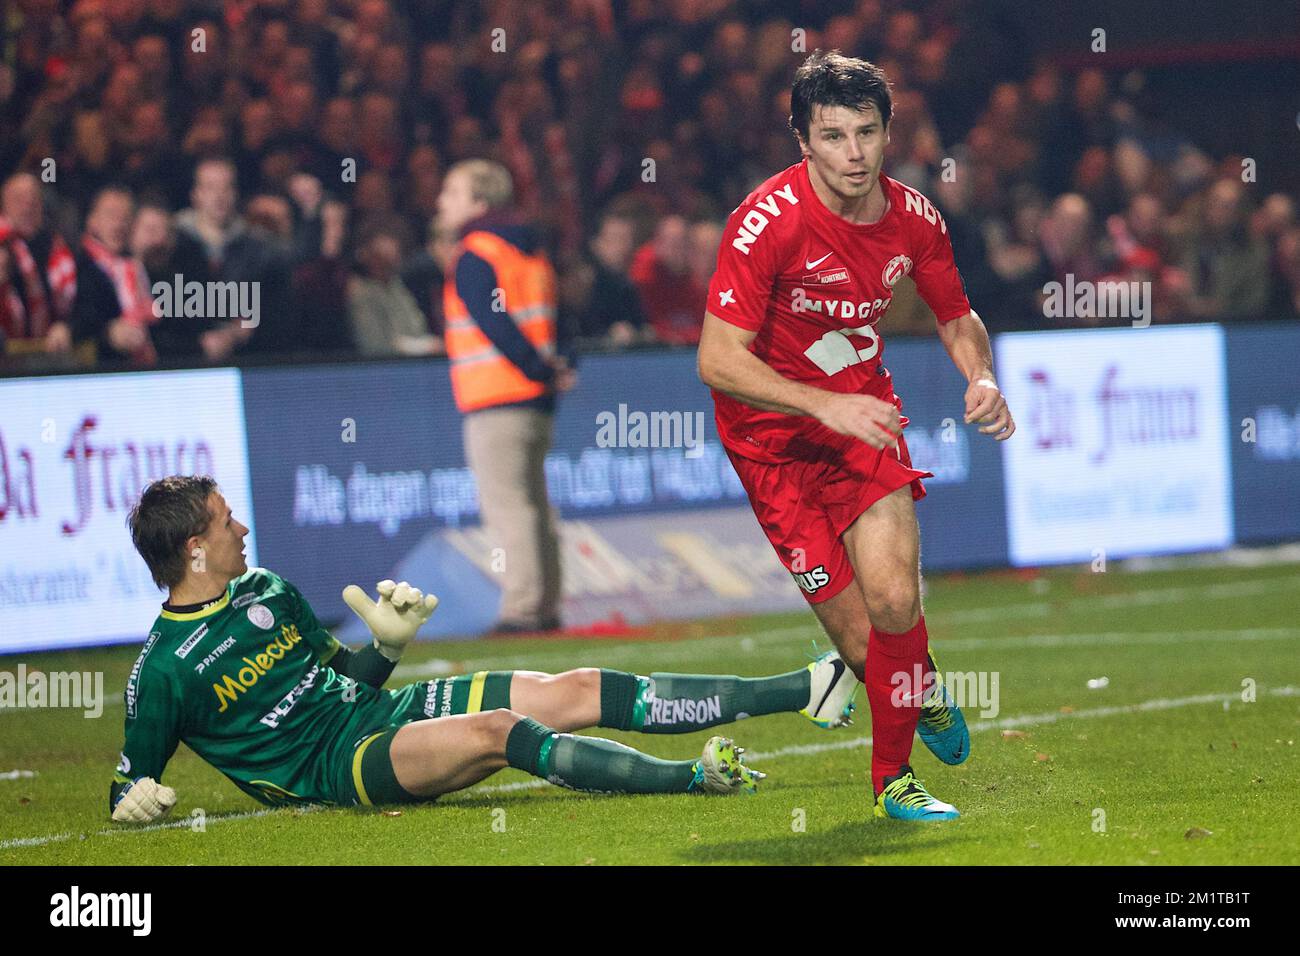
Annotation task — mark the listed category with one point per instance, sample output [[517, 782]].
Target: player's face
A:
[[223, 543], [846, 148]]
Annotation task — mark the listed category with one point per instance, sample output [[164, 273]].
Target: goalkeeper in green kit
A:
[[238, 667]]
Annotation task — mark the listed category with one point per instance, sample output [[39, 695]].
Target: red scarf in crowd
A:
[[30, 315], [132, 286]]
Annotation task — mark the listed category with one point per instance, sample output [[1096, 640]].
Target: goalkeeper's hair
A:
[[833, 79], [169, 512]]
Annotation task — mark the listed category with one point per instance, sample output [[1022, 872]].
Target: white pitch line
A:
[[185, 824], [795, 750]]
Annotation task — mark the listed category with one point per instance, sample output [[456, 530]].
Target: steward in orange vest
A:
[[499, 302]]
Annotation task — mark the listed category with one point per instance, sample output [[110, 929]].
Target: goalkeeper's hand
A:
[[144, 801], [395, 617]]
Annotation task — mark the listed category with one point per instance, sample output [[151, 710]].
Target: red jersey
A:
[[814, 286]]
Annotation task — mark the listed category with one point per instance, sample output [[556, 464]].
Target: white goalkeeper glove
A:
[[144, 801], [395, 617]]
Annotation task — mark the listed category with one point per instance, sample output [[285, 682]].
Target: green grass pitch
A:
[[1167, 764]]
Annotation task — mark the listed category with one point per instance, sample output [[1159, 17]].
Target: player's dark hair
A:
[[833, 79], [169, 512]]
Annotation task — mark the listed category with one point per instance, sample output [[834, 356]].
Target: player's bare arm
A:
[[967, 342], [727, 364]]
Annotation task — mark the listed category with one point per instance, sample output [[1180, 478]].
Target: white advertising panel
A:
[[75, 452], [1122, 443]]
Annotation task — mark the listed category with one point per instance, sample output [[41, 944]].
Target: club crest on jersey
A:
[[261, 616], [895, 269]]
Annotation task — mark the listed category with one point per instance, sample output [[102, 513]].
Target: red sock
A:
[[893, 723]]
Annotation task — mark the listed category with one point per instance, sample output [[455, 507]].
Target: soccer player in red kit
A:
[[807, 412]]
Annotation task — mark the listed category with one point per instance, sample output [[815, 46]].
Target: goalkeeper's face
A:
[[220, 549]]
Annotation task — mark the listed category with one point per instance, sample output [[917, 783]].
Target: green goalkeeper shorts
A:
[[363, 772], [449, 696]]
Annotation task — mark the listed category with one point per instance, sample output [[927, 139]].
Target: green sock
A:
[[590, 763], [681, 703]]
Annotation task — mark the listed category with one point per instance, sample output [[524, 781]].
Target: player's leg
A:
[[432, 757], [883, 544], [847, 623], [661, 703]]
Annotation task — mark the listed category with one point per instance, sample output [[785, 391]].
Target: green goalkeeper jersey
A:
[[245, 681]]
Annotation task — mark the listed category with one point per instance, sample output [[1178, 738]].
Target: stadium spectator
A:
[[112, 306], [1228, 268], [164, 252], [610, 311], [386, 321], [88, 166], [671, 294], [1275, 225], [152, 162], [40, 279], [1286, 263], [235, 254], [1141, 252], [505, 373], [954, 196], [424, 276], [320, 285], [1069, 249]]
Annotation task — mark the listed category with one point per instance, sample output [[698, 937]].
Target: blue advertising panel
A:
[[356, 464], [353, 466], [1264, 431], [962, 517]]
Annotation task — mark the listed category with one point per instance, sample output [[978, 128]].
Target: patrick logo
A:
[[895, 269]]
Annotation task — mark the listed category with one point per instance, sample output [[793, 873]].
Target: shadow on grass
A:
[[862, 841]]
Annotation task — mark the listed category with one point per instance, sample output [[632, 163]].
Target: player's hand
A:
[[395, 617], [986, 404], [864, 417], [144, 801]]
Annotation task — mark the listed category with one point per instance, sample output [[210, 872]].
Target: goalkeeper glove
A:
[[395, 617], [144, 801]]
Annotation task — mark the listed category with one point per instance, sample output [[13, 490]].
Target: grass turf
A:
[[1178, 768]]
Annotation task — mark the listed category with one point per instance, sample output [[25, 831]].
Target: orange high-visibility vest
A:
[[480, 375]]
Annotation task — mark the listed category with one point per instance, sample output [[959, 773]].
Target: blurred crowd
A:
[[301, 144]]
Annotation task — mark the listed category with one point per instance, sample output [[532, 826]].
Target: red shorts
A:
[[805, 506]]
